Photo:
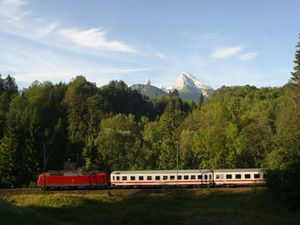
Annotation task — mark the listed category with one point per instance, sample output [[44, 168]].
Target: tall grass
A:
[[144, 207]]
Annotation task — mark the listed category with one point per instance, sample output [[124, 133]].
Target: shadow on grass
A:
[[164, 207]]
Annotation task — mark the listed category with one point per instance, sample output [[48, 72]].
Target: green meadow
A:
[[201, 206]]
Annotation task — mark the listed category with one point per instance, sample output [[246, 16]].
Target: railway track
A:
[[30, 191]]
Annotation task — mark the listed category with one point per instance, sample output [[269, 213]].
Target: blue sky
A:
[[228, 42]]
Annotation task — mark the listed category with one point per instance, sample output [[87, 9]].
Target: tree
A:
[[167, 157], [118, 143], [152, 140], [90, 153], [255, 143], [296, 73], [119, 98], [187, 158], [8, 90], [15, 157], [284, 160], [77, 105]]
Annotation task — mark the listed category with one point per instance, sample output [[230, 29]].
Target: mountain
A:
[[148, 90], [190, 88]]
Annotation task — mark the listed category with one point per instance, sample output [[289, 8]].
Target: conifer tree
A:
[[296, 72]]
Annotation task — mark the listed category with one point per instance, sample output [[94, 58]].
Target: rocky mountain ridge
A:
[[187, 85]]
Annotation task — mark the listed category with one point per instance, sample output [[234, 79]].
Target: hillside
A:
[[149, 90]]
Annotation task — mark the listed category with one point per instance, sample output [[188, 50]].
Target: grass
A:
[[204, 206]]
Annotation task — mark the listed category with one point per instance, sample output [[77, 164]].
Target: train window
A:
[[186, 177], [113, 178], [256, 175], [149, 178], [247, 176], [238, 176], [179, 177], [157, 177], [217, 176], [165, 177], [118, 178], [124, 178], [199, 177], [228, 176], [172, 177], [193, 177], [209, 176], [205, 177], [141, 178], [132, 178]]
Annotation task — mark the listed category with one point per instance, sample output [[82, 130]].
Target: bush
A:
[[286, 182]]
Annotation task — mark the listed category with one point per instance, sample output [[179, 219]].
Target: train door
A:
[[207, 178]]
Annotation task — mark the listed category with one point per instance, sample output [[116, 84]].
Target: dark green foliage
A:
[[149, 91], [119, 98], [296, 72], [8, 90], [234, 128], [286, 183], [118, 143], [170, 103], [284, 160], [76, 100], [35, 120], [15, 156]]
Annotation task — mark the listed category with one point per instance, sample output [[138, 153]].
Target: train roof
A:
[[73, 173], [185, 171], [238, 170], [158, 171]]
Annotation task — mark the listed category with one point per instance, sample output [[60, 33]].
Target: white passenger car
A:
[[238, 177], [161, 178], [220, 177]]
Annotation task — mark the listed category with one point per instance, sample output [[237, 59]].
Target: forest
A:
[[115, 128]]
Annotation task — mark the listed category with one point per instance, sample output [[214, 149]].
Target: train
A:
[[153, 178], [72, 179]]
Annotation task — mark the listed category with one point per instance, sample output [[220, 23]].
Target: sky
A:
[[228, 42]]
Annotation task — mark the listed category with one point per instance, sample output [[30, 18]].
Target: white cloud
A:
[[17, 20], [26, 65], [160, 55], [222, 53], [44, 31], [248, 56], [94, 38], [12, 11]]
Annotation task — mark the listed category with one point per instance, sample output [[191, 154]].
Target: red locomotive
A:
[[72, 179]]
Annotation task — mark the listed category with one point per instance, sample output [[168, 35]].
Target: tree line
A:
[[115, 128]]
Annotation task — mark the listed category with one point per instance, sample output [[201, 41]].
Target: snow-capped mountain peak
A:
[[188, 81], [185, 81], [189, 88]]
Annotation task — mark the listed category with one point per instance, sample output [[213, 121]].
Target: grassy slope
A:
[[161, 207]]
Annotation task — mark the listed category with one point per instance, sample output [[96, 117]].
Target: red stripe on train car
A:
[[188, 181]]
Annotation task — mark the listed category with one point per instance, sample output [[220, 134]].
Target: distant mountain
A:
[[148, 90], [190, 88]]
